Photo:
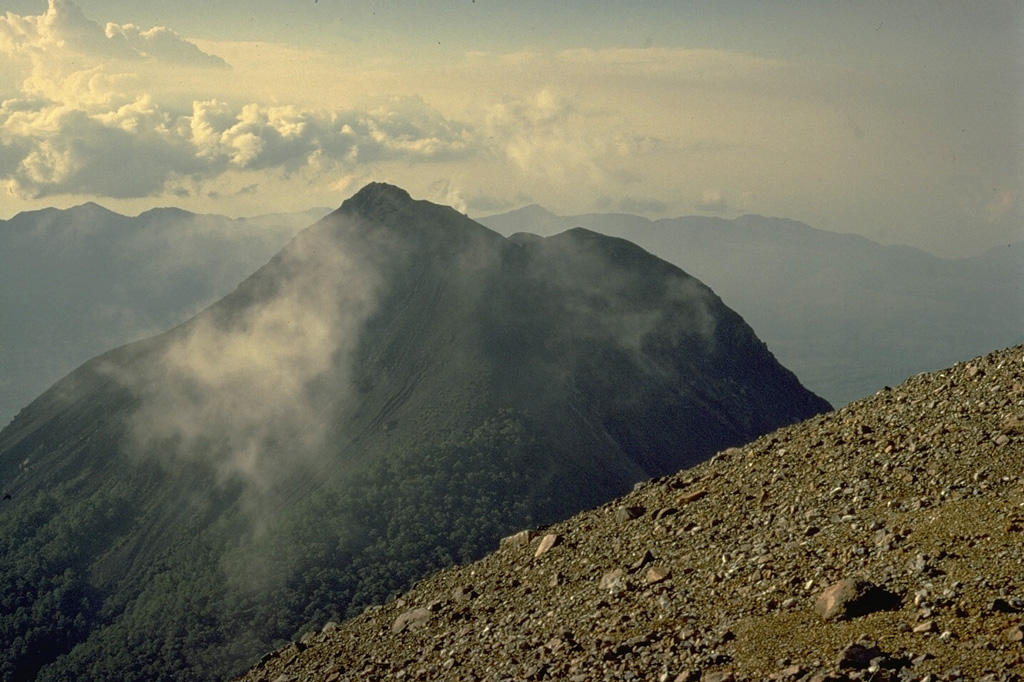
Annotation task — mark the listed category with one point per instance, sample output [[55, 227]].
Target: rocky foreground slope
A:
[[882, 541]]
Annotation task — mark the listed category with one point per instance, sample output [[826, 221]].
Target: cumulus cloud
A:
[[83, 123], [549, 135], [129, 151], [139, 148], [286, 137], [160, 43], [110, 112], [63, 29]]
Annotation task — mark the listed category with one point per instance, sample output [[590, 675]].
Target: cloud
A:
[[550, 136], [172, 134], [64, 29], [84, 123], [127, 152], [104, 145], [986, 199], [713, 201], [450, 194], [162, 44], [235, 387]]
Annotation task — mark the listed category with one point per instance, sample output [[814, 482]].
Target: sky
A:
[[902, 122]]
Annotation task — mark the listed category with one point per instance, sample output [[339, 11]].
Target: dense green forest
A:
[[208, 607]]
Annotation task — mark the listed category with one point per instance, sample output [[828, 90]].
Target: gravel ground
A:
[[911, 500]]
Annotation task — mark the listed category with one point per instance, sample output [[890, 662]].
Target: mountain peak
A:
[[167, 213], [380, 206], [377, 195], [421, 373], [534, 210], [91, 209]]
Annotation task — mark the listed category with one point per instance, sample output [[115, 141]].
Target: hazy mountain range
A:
[[77, 282], [394, 391], [847, 314]]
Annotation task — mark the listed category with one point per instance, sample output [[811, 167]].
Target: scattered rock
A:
[[613, 580], [657, 574], [639, 564], [664, 512], [624, 514], [412, 619], [464, 593], [520, 539], [858, 656], [546, 543], [790, 672], [693, 497], [925, 627], [852, 598], [1000, 605]]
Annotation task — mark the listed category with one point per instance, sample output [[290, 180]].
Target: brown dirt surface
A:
[[918, 489]]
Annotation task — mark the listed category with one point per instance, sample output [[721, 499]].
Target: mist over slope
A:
[[77, 282], [394, 391], [848, 315]]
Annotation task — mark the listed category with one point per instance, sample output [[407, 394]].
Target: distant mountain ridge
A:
[[847, 314], [392, 392], [77, 282]]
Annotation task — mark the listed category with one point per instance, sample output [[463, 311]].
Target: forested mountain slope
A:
[[393, 392]]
